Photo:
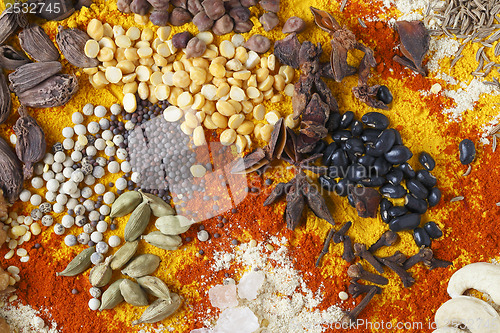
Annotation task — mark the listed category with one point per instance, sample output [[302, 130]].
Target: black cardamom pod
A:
[[11, 174]]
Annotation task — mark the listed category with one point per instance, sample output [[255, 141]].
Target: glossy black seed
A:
[[366, 160], [346, 119], [385, 141], [327, 183], [417, 188], [336, 172], [415, 205], [399, 140], [393, 191], [342, 187], [370, 135], [375, 120], [350, 199], [356, 172], [467, 151], [320, 147], [434, 197], [373, 181], [426, 178], [339, 159], [385, 205], [333, 122], [395, 176], [372, 151], [405, 222], [354, 146], [356, 128], [421, 237], [396, 211], [433, 230], [398, 154], [341, 135], [427, 161], [381, 167], [384, 95], [408, 171], [327, 153]]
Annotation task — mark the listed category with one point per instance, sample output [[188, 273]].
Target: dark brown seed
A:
[[123, 6], [179, 3], [269, 21], [248, 3], [287, 50], [294, 24], [242, 27], [55, 91], [35, 42], [270, 5], [258, 43], [181, 39], [162, 5], [159, 17], [194, 6], [5, 98], [72, 42], [195, 48], [31, 74], [8, 24], [240, 14], [202, 21], [180, 16], [214, 8], [11, 175], [140, 7], [10, 58], [414, 44], [223, 26]]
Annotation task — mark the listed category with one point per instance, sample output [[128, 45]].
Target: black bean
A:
[[399, 140], [427, 161], [356, 128], [384, 95], [398, 154], [327, 183], [373, 181], [342, 187], [181, 39], [333, 122], [354, 146], [339, 159], [336, 172], [202, 21], [346, 119], [366, 160], [396, 211], [395, 176], [268, 20], [341, 135], [393, 191], [434, 197], [408, 171], [433, 230], [426, 178], [328, 151], [224, 25], [381, 166], [415, 205], [350, 199], [421, 237], [375, 120], [370, 135], [320, 147], [405, 222], [467, 151], [356, 172], [417, 188], [385, 141]]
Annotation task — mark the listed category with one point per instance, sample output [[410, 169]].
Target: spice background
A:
[[470, 226]]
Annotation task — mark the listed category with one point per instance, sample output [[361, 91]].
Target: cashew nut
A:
[[448, 329], [477, 315], [482, 276]]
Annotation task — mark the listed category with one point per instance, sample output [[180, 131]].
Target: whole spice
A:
[[79, 264], [166, 242], [10, 58], [142, 265], [100, 275], [9, 22], [173, 224], [361, 251], [405, 277], [388, 238], [137, 222], [31, 74], [5, 99], [356, 289], [55, 91], [350, 317], [125, 204], [72, 42], [294, 24], [124, 254], [11, 173], [31, 145], [357, 271], [35, 42], [112, 296], [159, 310], [158, 206], [415, 41], [155, 287], [326, 245], [132, 293]]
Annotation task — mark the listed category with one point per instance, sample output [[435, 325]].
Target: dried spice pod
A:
[[10, 58], [31, 145], [11, 174], [142, 265], [35, 42], [9, 22], [79, 264], [133, 293], [123, 255], [158, 206], [137, 222], [415, 41], [30, 75], [5, 99], [112, 296], [125, 204], [55, 91], [72, 42], [159, 310], [155, 287]]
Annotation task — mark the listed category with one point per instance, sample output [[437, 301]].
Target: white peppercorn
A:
[[91, 151], [98, 172], [58, 208], [88, 109], [102, 247], [101, 161], [48, 158], [96, 236], [121, 153], [135, 177], [96, 258], [88, 228], [118, 139], [59, 157], [129, 125], [107, 135], [99, 189], [59, 229], [67, 172], [60, 177], [50, 196], [113, 167], [104, 210], [80, 129], [77, 118], [80, 221], [67, 221], [76, 195], [62, 199], [102, 226], [69, 187], [78, 146], [203, 235], [68, 162], [89, 205], [93, 127], [110, 151], [94, 216], [114, 241], [79, 209], [72, 203], [76, 156], [86, 192], [70, 240], [67, 132], [47, 220], [89, 180], [37, 182], [95, 292], [77, 176], [125, 166], [48, 175], [25, 195], [36, 199], [57, 166], [83, 238], [121, 184], [104, 123], [100, 111], [109, 198]]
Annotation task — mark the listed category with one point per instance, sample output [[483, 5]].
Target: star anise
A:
[[415, 41]]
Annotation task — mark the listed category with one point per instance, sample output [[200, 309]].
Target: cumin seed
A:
[[459, 198]]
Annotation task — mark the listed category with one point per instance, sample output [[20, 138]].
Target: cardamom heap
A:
[[55, 91], [35, 42], [10, 58], [142, 265], [112, 296], [79, 264], [125, 204], [137, 222], [154, 286], [173, 224], [166, 242], [158, 206], [159, 310], [11, 172], [133, 294], [124, 254], [31, 145], [101, 274], [9, 22], [30, 75], [72, 42], [5, 99]]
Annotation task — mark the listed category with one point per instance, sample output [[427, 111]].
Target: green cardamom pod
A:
[[101, 274], [5, 99], [79, 264], [159, 207], [166, 242], [57, 90], [30, 75], [31, 145], [112, 296], [11, 172], [125, 204], [10, 58], [154, 286], [72, 42], [159, 310], [142, 265], [137, 222], [173, 224], [9, 22], [133, 294], [124, 254], [35, 42]]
